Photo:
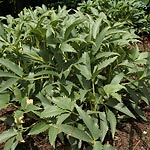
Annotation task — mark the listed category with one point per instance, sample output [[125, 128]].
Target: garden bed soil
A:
[[130, 135]]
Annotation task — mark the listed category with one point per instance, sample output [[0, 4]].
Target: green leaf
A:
[[112, 121], [52, 111], [117, 79], [89, 122], [106, 62], [84, 66], [120, 107], [75, 132], [38, 128], [103, 65], [103, 125], [14, 145], [7, 74], [52, 134], [12, 66], [7, 134], [100, 39], [97, 146], [111, 89], [96, 27], [9, 143], [45, 72], [67, 48], [108, 147], [138, 111], [105, 54], [71, 27], [63, 102], [18, 94], [7, 84], [4, 100]]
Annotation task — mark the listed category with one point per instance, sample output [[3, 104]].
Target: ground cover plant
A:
[[70, 76]]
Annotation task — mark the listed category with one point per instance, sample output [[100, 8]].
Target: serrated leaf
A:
[[103, 125], [7, 134], [67, 48], [45, 102], [106, 62], [138, 111], [120, 107], [105, 54], [99, 40], [7, 84], [63, 102], [89, 122], [7, 74], [96, 27], [75, 132], [103, 65], [46, 72], [12, 66], [4, 100], [38, 128], [52, 111], [112, 121], [111, 89], [52, 134]]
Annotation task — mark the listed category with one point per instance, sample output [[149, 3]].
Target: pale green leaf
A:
[[111, 89], [52, 134], [7, 74], [7, 84], [75, 132], [52, 111], [120, 107], [108, 147], [97, 146], [117, 79], [12, 66], [112, 121], [63, 102], [106, 62], [96, 27], [38, 128], [89, 122], [84, 66], [103, 65], [99, 40], [4, 100], [71, 27], [103, 125], [106, 54], [7, 134], [67, 48], [9, 143], [45, 102]]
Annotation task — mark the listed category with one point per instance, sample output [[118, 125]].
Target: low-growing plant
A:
[[69, 76]]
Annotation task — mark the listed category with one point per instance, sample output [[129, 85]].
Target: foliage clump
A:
[[71, 76]]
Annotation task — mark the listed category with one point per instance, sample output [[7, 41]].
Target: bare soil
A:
[[130, 135]]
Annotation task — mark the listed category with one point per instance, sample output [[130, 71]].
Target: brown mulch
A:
[[130, 135]]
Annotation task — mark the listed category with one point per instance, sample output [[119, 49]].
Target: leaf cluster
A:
[[69, 76]]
